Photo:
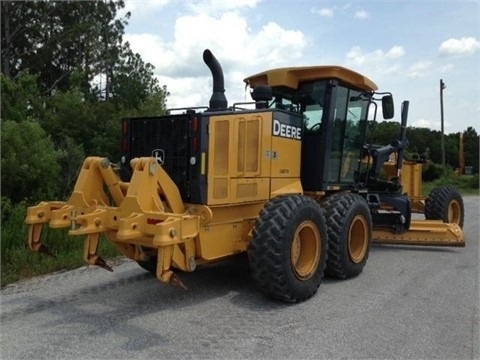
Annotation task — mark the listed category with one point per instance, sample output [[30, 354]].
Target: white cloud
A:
[[144, 6], [194, 97], [226, 36], [422, 123], [151, 48], [431, 124], [180, 66], [361, 14], [345, 9], [446, 67], [419, 69], [393, 69], [275, 46], [217, 7], [459, 47], [358, 57], [395, 52], [324, 12]]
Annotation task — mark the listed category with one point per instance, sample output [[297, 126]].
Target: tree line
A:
[[67, 80], [426, 145]]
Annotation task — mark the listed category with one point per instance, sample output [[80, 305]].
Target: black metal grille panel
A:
[[168, 134]]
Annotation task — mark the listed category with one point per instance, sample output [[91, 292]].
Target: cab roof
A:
[[292, 76]]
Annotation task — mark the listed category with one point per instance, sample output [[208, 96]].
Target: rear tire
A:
[[446, 204], [349, 225], [289, 247]]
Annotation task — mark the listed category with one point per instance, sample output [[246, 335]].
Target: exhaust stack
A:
[[218, 101]]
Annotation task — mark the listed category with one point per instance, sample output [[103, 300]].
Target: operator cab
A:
[[333, 102]]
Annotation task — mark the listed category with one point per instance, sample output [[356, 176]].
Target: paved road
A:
[[409, 303]]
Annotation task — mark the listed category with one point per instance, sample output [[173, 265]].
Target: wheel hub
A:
[[358, 239], [306, 250]]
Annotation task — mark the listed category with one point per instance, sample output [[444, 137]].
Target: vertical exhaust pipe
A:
[[218, 100]]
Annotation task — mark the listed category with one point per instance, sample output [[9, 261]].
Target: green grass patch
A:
[[465, 184], [18, 262]]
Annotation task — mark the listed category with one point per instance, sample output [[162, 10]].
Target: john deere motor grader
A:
[[291, 179]]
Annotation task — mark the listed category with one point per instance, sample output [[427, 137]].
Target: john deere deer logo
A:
[[159, 155]]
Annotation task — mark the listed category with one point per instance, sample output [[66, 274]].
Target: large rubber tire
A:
[[445, 203], [288, 250], [349, 224]]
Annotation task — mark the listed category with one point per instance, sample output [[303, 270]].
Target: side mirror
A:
[[387, 107]]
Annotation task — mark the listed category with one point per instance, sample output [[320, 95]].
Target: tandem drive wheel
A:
[[288, 251], [349, 234]]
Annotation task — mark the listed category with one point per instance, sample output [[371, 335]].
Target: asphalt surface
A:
[[409, 303]]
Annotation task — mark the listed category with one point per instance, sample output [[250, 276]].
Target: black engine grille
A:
[[170, 134]]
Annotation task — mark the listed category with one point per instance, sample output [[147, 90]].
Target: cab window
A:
[[348, 134]]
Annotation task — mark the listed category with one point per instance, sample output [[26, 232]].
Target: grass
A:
[[18, 262], [465, 184]]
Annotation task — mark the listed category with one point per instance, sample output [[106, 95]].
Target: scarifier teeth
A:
[[175, 280], [100, 262]]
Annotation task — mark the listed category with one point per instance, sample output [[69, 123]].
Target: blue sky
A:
[[405, 47]]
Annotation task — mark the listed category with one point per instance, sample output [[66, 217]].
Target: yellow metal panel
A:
[[247, 146], [248, 190], [265, 143], [220, 188], [412, 178], [228, 232], [292, 76], [242, 148], [285, 157], [239, 148], [218, 160], [285, 186], [423, 232], [252, 146], [254, 189], [221, 137], [218, 240], [238, 190]]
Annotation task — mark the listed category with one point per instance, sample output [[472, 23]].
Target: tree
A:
[[133, 80], [55, 38], [20, 97], [73, 44], [385, 131], [471, 148], [426, 143], [20, 22], [29, 162], [420, 141]]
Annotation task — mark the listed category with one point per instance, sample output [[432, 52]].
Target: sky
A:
[[405, 47]]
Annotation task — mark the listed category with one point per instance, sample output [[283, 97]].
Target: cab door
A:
[[347, 135]]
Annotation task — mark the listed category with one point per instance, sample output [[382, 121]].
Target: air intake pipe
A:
[[218, 101]]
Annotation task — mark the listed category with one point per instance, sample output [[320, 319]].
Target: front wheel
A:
[[446, 204], [349, 225], [288, 251]]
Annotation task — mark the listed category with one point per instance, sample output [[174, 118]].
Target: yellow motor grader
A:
[[291, 179]]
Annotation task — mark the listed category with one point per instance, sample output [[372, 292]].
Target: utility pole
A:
[[442, 87]]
